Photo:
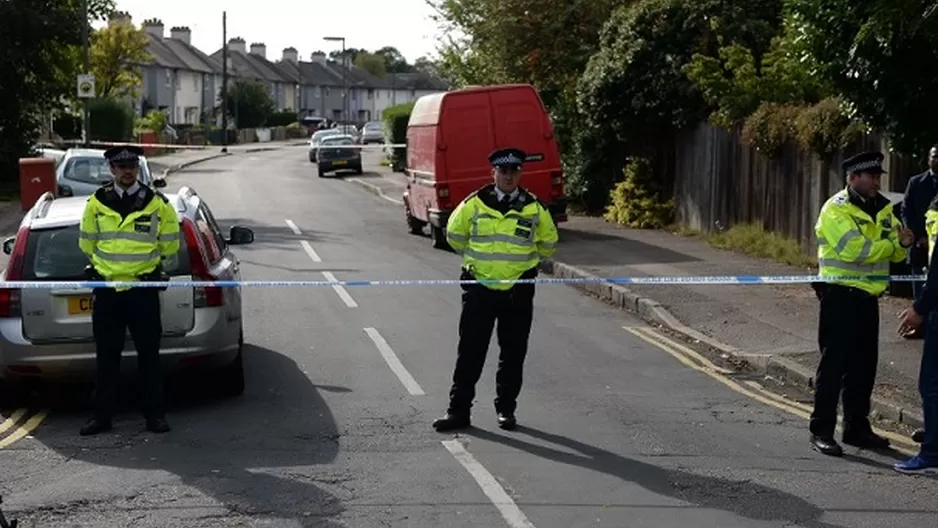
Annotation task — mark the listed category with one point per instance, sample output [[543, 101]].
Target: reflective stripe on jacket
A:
[[497, 246], [123, 249], [852, 243], [931, 229]]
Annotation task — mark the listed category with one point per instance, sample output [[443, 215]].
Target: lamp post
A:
[[86, 56], [344, 77]]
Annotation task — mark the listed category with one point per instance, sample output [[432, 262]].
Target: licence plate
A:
[[340, 162], [79, 305]]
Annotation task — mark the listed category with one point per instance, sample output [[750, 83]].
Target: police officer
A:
[[923, 312], [858, 235], [127, 231], [502, 232]]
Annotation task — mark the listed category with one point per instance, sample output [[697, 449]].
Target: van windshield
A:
[[53, 254]]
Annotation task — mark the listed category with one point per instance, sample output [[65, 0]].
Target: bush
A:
[[278, 119], [825, 128], [155, 121], [771, 127], [111, 120], [67, 126], [395, 128], [636, 201]]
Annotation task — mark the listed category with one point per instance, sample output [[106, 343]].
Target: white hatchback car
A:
[[46, 334]]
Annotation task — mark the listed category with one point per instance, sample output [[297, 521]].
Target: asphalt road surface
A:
[[334, 427]]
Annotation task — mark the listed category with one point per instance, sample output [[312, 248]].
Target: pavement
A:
[[622, 424], [772, 329]]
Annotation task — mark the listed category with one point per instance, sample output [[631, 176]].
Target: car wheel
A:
[[414, 225], [231, 378], [359, 171], [438, 238], [322, 174]]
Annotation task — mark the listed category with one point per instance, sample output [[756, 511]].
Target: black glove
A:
[[156, 275], [92, 274]]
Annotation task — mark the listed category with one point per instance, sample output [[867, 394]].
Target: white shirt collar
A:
[[132, 189], [501, 194]]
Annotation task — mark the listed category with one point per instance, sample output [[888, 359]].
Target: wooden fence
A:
[[719, 181]]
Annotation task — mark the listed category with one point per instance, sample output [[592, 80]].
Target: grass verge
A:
[[753, 240]]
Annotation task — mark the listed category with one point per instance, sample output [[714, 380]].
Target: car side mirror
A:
[[8, 245], [159, 183], [238, 235]]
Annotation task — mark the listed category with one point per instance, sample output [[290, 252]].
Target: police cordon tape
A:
[[236, 146], [725, 279]]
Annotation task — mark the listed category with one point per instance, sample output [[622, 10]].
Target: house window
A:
[[195, 83], [371, 94], [169, 78], [328, 91]]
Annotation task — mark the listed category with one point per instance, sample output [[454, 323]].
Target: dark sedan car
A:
[[339, 153]]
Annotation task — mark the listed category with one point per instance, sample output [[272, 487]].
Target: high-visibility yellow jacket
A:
[[928, 299], [122, 248], [501, 246], [931, 229], [852, 243]]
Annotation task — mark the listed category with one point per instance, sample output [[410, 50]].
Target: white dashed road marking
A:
[[492, 489], [340, 291], [396, 366], [310, 251], [293, 227]]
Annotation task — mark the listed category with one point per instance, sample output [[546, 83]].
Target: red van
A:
[[449, 138]]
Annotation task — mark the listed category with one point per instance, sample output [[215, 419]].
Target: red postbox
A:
[[37, 176]]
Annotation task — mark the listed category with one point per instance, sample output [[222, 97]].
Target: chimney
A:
[[154, 26], [259, 48], [181, 33], [290, 55], [120, 17], [319, 58], [236, 44]]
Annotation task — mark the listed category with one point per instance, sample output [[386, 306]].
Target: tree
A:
[[115, 51], [41, 42], [879, 55], [394, 62], [427, 66], [249, 103], [372, 63]]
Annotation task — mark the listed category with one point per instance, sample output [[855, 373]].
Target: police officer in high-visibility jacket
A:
[[858, 236], [921, 313], [502, 231], [127, 231]]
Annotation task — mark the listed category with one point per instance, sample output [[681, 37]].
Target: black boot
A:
[[96, 426], [918, 436], [507, 421], [451, 422], [865, 439], [826, 445]]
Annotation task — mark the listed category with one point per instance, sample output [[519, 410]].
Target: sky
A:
[[369, 24]]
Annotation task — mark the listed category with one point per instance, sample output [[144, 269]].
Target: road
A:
[[334, 427]]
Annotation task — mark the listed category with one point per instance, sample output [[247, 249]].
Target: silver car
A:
[[372, 132], [46, 334], [82, 171], [316, 139]]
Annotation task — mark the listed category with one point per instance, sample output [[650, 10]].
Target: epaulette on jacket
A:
[[161, 195]]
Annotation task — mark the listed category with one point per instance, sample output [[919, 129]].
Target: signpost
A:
[[85, 86]]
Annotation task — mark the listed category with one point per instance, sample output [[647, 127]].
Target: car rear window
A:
[[53, 254], [337, 141]]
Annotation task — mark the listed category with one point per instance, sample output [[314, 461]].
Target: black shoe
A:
[[866, 440], [918, 436], [95, 426], [451, 422], [157, 425], [507, 421], [826, 446]]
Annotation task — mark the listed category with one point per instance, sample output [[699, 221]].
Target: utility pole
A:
[[86, 121], [224, 81]]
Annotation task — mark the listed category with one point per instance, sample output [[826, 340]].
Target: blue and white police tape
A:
[[688, 280]]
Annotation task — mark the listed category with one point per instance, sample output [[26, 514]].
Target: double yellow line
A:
[[751, 389], [24, 424]]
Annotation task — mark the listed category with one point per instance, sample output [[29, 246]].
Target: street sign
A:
[[85, 86]]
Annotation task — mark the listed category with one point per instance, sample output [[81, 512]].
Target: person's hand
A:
[[923, 241], [906, 237], [909, 321]]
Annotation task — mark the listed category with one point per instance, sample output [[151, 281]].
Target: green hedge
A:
[[395, 125], [279, 119], [111, 120]]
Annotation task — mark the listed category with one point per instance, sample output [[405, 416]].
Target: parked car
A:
[[46, 334], [82, 171], [316, 138], [372, 132], [350, 130], [340, 157]]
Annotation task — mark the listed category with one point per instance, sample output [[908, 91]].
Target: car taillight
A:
[[10, 297], [556, 183], [204, 296]]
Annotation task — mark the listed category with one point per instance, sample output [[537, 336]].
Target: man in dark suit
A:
[[919, 193]]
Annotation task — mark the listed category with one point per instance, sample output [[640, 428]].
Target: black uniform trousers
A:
[[848, 335], [482, 308], [113, 313]]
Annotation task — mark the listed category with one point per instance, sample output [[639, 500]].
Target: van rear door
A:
[[522, 122], [65, 314], [466, 127]]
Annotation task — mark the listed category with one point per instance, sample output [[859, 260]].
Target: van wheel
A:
[[414, 225], [231, 378], [438, 238]]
